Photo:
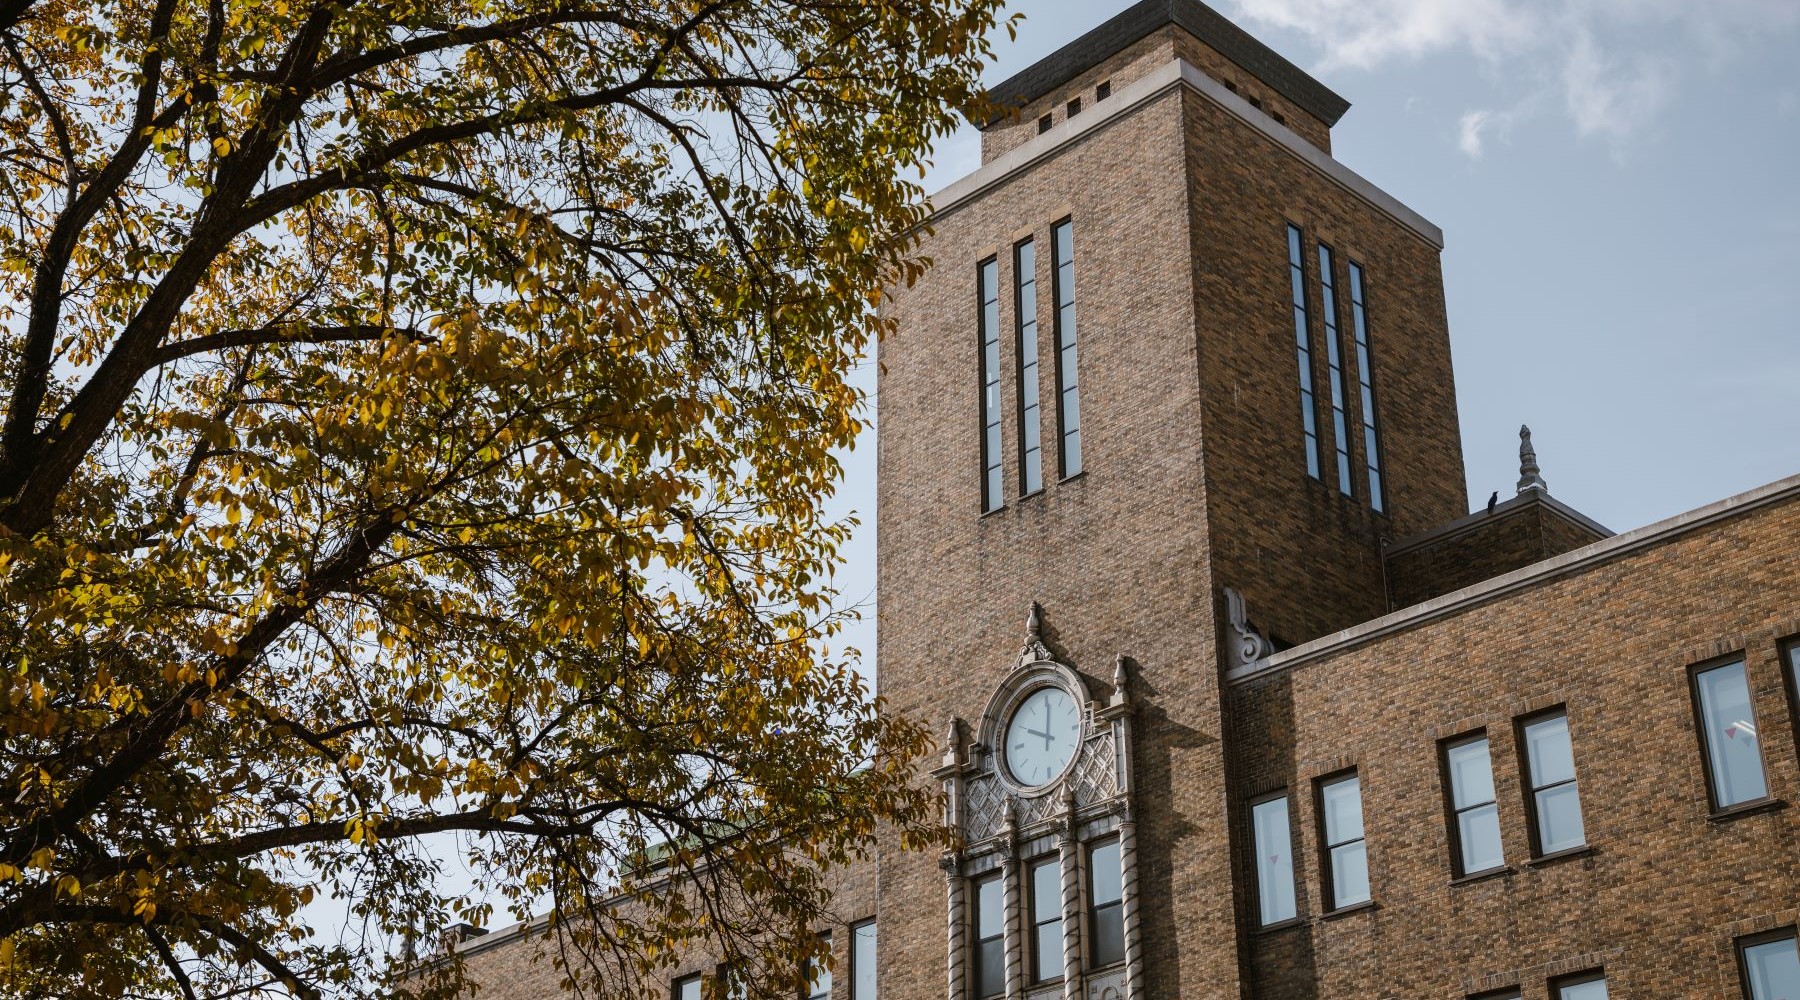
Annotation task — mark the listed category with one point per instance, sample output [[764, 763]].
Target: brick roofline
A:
[[1199, 20], [1587, 557], [1520, 503]]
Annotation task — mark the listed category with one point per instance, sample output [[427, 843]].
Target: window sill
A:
[[1483, 876], [1546, 860], [997, 510], [1365, 906], [1070, 479], [1284, 925], [1755, 807]]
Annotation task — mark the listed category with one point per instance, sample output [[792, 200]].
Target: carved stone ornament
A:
[[1244, 644], [1034, 650], [1530, 477]]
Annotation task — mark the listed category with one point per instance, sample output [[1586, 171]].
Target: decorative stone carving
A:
[[1034, 650], [1529, 475], [1244, 644], [1121, 681]]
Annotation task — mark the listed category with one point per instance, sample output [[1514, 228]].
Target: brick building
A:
[[1240, 701]]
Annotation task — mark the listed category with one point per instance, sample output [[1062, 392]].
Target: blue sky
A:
[[1616, 184]]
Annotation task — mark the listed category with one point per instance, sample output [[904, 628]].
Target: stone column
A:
[[959, 923], [1071, 903], [1012, 873], [1128, 884]]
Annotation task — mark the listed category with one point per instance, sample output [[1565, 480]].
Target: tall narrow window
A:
[[990, 937], [1474, 816], [1334, 366], [686, 988], [1106, 905], [1365, 374], [1770, 965], [816, 977], [1274, 860], [989, 318], [1345, 854], [1551, 795], [1068, 401], [1046, 920], [862, 961], [1728, 732], [1587, 986], [1031, 449], [1309, 410]]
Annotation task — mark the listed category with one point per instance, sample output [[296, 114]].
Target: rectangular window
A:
[[1728, 734], [1068, 401], [990, 937], [1031, 445], [862, 961], [686, 988], [816, 976], [1274, 859], [1770, 965], [1508, 994], [1309, 411], [1474, 816], [1346, 856], [1586, 986], [1106, 904], [1103, 91], [1365, 374], [1045, 123], [1334, 366], [1074, 107], [1046, 919], [1550, 794], [989, 321]]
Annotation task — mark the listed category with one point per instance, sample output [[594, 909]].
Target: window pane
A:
[[1594, 989], [1104, 874], [990, 968], [1731, 738], [1547, 748], [1342, 801], [990, 905], [1047, 952], [818, 974], [688, 989], [1559, 819], [1109, 935], [862, 961], [1046, 891], [1774, 970], [1350, 874], [1274, 860], [1478, 830], [1471, 774]]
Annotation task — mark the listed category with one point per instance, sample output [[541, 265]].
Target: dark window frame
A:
[[1068, 342], [1046, 123], [1503, 993], [1073, 108], [991, 499], [1300, 326], [1093, 908], [1749, 941], [1103, 90], [997, 876], [1741, 658], [1452, 814], [1034, 959], [1327, 881], [1527, 783], [851, 964], [1787, 651], [1560, 983], [1256, 879], [678, 982], [1374, 467], [1021, 378], [807, 991], [1335, 381]]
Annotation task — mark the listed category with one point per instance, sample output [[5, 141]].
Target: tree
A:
[[417, 418]]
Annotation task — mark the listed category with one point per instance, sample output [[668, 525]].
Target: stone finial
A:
[[1529, 478], [953, 750], [1034, 649], [1121, 682]]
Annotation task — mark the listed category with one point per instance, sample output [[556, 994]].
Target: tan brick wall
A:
[[1513, 539], [1665, 890]]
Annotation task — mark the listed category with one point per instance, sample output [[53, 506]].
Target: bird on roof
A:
[[1492, 500]]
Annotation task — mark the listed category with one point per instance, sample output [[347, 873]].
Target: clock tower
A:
[[1175, 379]]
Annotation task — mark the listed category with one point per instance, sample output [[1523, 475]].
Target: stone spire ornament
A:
[[1529, 478], [1034, 649], [1121, 682]]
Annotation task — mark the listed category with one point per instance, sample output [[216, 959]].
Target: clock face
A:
[[1042, 735]]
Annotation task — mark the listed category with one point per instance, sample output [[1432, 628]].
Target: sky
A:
[[1616, 181]]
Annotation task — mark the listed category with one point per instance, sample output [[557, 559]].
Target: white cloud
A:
[[1611, 65]]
